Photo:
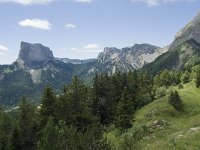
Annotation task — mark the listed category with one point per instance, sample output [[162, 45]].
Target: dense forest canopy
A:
[[81, 116]]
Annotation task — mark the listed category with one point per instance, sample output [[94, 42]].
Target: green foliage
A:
[[101, 116], [185, 78], [47, 105], [50, 136], [5, 130], [196, 70], [186, 54], [24, 135], [165, 78], [125, 140], [125, 110], [175, 101]]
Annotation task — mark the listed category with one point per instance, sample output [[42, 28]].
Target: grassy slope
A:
[[176, 130]]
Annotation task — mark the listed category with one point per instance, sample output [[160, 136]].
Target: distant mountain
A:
[[34, 69], [113, 59], [76, 61], [184, 50]]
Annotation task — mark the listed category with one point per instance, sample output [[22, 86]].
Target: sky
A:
[[82, 28]]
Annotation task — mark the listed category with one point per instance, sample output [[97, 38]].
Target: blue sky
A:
[[82, 28]]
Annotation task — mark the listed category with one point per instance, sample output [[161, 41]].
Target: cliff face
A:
[[34, 56], [190, 31], [125, 59]]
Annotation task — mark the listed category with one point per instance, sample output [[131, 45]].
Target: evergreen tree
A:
[[197, 76], [5, 130], [165, 78], [63, 109], [50, 136], [175, 101], [47, 105], [15, 142], [78, 95], [125, 111], [27, 125], [185, 78]]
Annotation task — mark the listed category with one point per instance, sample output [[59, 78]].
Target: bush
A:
[[180, 86], [175, 101]]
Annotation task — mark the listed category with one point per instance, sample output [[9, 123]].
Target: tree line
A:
[[77, 117]]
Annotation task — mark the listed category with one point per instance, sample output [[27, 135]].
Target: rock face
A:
[[190, 31], [34, 56], [125, 59], [184, 50]]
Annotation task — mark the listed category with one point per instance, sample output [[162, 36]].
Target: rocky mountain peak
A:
[[190, 31], [113, 59], [144, 48], [110, 50], [34, 55]]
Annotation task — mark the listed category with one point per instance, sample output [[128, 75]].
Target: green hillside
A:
[[186, 54], [159, 126], [171, 129]]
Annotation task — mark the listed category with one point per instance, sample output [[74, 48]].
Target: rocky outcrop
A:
[[190, 31], [34, 56], [113, 59]]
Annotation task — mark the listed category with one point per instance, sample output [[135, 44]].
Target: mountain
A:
[[34, 69], [190, 31], [76, 61], [184, 50], [113, 59]]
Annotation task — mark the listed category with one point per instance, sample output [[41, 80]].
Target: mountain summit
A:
[[112, 59], [34, 56], [183, 52], [190, 31]]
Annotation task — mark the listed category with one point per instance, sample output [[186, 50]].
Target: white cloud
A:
[[74, 49], [27, 2], [82, 1], [152, 3], [91, 46], [36, 23], [70, 26], [3, 49], [40, 2]]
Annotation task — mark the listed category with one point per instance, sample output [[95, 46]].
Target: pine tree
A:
[[27, 125], [175, 101], [14, 141], [63, 108], [125, 111], [50, 136], [165, 78], [5, 130], [47, 105], [185, 78], [197, 76], [78, 96]]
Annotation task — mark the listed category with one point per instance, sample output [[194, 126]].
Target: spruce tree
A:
[[197, 76], [50, 136], [47, 105], [175, 101], [5, 130], [27, 125], [125, 111], [165, 78], [185, 78]]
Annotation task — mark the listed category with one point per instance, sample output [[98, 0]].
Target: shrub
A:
[[175, 101]]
